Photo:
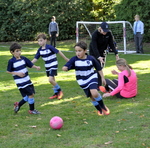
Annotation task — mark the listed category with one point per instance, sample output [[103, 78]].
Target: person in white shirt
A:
[[138, 29]]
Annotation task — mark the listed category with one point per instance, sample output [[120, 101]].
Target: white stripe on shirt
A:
[[84, 73], [83, 82], [51, 64], [83, 63]]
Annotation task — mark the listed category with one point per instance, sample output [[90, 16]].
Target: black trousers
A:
[[53, 38], [111, 85]]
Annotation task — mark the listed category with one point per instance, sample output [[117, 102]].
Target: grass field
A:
[[128, 125]]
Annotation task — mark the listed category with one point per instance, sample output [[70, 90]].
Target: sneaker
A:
[[53, 97], [34, 112], [102, 89], [107, 111], [16, 107], [60, 95], [99, 113]]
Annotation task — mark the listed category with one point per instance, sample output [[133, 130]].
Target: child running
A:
[[48, 54], [17, 67], [86, 75], [126, 85]]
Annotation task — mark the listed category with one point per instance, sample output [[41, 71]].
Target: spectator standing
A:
[[53, 31], [138, 29]]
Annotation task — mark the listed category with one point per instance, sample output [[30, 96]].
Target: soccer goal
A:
[[121, 30]]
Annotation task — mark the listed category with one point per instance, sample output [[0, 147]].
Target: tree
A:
[[127, 9]]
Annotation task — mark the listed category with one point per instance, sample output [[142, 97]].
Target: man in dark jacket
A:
[[101, 39]]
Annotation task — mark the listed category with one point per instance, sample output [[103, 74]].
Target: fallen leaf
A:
[[142, 116], [123, 119], [34, 126], [143, 144], [109, 142], [130, 112], [85, 122], [117, 131], [58, 135]]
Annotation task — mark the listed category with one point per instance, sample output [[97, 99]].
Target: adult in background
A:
[[138, 29], [53, 31], [101, 39]]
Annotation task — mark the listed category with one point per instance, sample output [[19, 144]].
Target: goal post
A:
[[121, 30]]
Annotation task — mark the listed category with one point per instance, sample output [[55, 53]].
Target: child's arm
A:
[[65, 68], [34, 60], [20, 74], [36, 67], [114, 72], [63, 56]]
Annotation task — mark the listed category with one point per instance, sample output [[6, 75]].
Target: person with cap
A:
[[101, 39], [138, 29]]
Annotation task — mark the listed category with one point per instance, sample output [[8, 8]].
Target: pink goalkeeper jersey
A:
[[129, 89]]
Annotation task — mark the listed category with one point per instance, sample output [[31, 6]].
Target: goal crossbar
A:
[[84, 23]]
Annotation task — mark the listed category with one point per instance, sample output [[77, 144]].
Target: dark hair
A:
[[14, 46], [41, 35], [81, 44]]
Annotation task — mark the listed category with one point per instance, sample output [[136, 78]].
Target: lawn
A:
[[128, 125]]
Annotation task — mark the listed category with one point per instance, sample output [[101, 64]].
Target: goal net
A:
[[122, 32]]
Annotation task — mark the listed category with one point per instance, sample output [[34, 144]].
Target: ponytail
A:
[[129, 70]]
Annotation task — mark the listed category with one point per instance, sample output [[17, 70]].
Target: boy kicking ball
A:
[[86, 76], [17, 67]]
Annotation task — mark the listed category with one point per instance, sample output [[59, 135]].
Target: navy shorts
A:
[[51, 73], [27, 91], [92, 86]]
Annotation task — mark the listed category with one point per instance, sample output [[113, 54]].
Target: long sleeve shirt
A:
[[100, 43], [129, 89], [139, 27], [53, 27]]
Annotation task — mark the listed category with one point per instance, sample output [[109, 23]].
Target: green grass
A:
[[128, 125]]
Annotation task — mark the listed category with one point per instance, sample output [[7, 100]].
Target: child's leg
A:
[[94, 94], [17, 105], [98, 98], [110, 84], [115, 81], [55, 85], [31, 101], [57, 90], [23, 101]]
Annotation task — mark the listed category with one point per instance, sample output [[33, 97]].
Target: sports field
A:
[[128, 125]]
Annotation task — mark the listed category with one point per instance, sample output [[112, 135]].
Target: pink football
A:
[[56, 122]]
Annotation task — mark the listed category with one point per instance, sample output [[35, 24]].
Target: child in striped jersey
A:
[[86, 76], [48, 54], [17, 67]]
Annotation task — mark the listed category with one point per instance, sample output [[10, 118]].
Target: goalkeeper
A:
[[101, 39]]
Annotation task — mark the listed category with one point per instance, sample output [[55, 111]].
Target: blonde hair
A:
[[123, 62], [137, 16]]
